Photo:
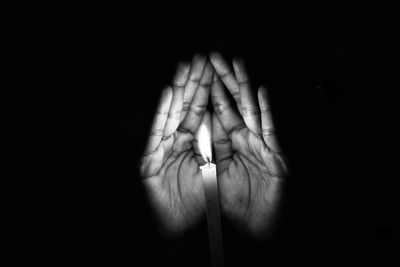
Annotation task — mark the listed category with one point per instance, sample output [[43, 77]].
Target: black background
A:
[[337, 207]]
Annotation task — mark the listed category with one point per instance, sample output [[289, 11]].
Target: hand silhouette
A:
[[170, 165], [249, 162]]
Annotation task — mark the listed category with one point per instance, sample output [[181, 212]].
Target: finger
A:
[[228, 78], [199, 103], [222, 144], [268, 130], [250, 110], [175, 110], [196, 72], [230, 120], [157, 128]]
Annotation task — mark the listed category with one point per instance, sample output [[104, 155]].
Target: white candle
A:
[[210, 183]]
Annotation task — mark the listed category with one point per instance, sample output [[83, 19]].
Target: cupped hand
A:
[[170, 165], [250, 165]]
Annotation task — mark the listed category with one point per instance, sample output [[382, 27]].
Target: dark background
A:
[[337, 209]]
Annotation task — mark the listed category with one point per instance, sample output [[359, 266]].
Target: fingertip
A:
[[199, 60], [167, 90], [199, 57], [182, 67], [262, 91], [208, 73], [239, 69], [198, 63], [214, 55], [182, 73], [217, 60], [166, 94], [237, 62]]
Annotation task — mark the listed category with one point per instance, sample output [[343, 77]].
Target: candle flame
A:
[[204, 139]]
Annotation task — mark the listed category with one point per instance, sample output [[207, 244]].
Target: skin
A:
[[170, 166], [249, 161]]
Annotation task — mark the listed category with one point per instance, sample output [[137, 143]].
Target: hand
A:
[[170, 166], [249, 162]]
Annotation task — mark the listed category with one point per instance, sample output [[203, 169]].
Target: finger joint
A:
[[198, 110], [156, 133], [268, 131], [250, 111], [220, 108]]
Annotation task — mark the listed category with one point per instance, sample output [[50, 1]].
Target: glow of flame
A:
[[204, 141]]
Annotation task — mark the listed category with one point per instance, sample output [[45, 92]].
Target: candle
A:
[[210, 184], [209, 174]]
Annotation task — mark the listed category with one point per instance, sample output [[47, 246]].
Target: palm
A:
[[250, 183], [176, 188]]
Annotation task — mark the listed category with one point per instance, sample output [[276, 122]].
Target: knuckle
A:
[[196, 78], [205, 84], [265, 109], [220, 108], [236, 96], [224, 73], [222, 141], [178, 85], [156, 133], [243, 81], [238, 127], [160, 112], [250, 111], [268, 131], [198, 110], [185, 106], [174, 114]]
